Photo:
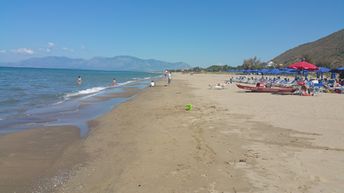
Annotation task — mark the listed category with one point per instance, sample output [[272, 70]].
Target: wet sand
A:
[[128, 92], [231, 141], [40, 159], [36, 160]]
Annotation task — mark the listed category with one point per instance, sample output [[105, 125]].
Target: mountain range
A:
[[327, 51], [120, 63]]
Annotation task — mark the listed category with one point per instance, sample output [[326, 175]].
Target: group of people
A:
[[79, 81], [167, 74]]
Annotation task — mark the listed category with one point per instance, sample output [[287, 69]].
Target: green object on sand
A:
[[188, 107]]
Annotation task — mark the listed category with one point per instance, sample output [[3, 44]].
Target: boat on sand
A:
[[263, 88]]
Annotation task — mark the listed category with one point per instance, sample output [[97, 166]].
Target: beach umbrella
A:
[[337, 70], [275, 71], [288, 71], [254, 71], [303, 66], [248, 71], [323, 70], [264, 71], [340, 69]]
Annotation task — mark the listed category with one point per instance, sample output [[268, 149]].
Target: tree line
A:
[[250, 64]]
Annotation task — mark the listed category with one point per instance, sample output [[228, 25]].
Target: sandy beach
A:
[[230, 142]]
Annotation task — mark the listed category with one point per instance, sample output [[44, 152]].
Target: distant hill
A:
[[327, 51], [123, 63]]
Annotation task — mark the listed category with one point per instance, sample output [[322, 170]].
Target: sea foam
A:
[[94, 90], [85, 92]]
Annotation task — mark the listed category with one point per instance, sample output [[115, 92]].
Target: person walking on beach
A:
[[79, 80], [169, 78]]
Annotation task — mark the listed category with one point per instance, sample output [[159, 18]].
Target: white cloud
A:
[[50, 45], [83, 47], [25, 51], [3, 51]]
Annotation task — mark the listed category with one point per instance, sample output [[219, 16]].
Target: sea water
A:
[[36, 97]]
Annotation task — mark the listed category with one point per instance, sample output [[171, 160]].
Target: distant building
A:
[[270, 64]]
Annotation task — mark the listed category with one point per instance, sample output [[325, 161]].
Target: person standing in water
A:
[[79, 80], [114, 82]]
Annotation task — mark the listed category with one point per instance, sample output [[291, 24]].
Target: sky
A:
[[198, 32]]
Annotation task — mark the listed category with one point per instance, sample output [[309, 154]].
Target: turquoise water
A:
[[33, 97]]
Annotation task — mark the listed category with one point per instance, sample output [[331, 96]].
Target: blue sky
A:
[[202, 32]]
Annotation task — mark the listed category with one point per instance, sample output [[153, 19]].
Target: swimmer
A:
[[79, 80], [114, 82]]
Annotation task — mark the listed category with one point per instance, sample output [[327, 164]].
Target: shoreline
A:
[[59, 101], [45, 157], [61, 116], [229, 142]]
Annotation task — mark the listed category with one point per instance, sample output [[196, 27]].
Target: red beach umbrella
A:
[[303, 66]]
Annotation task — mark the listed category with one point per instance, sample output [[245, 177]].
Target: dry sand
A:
[[231, 141]]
